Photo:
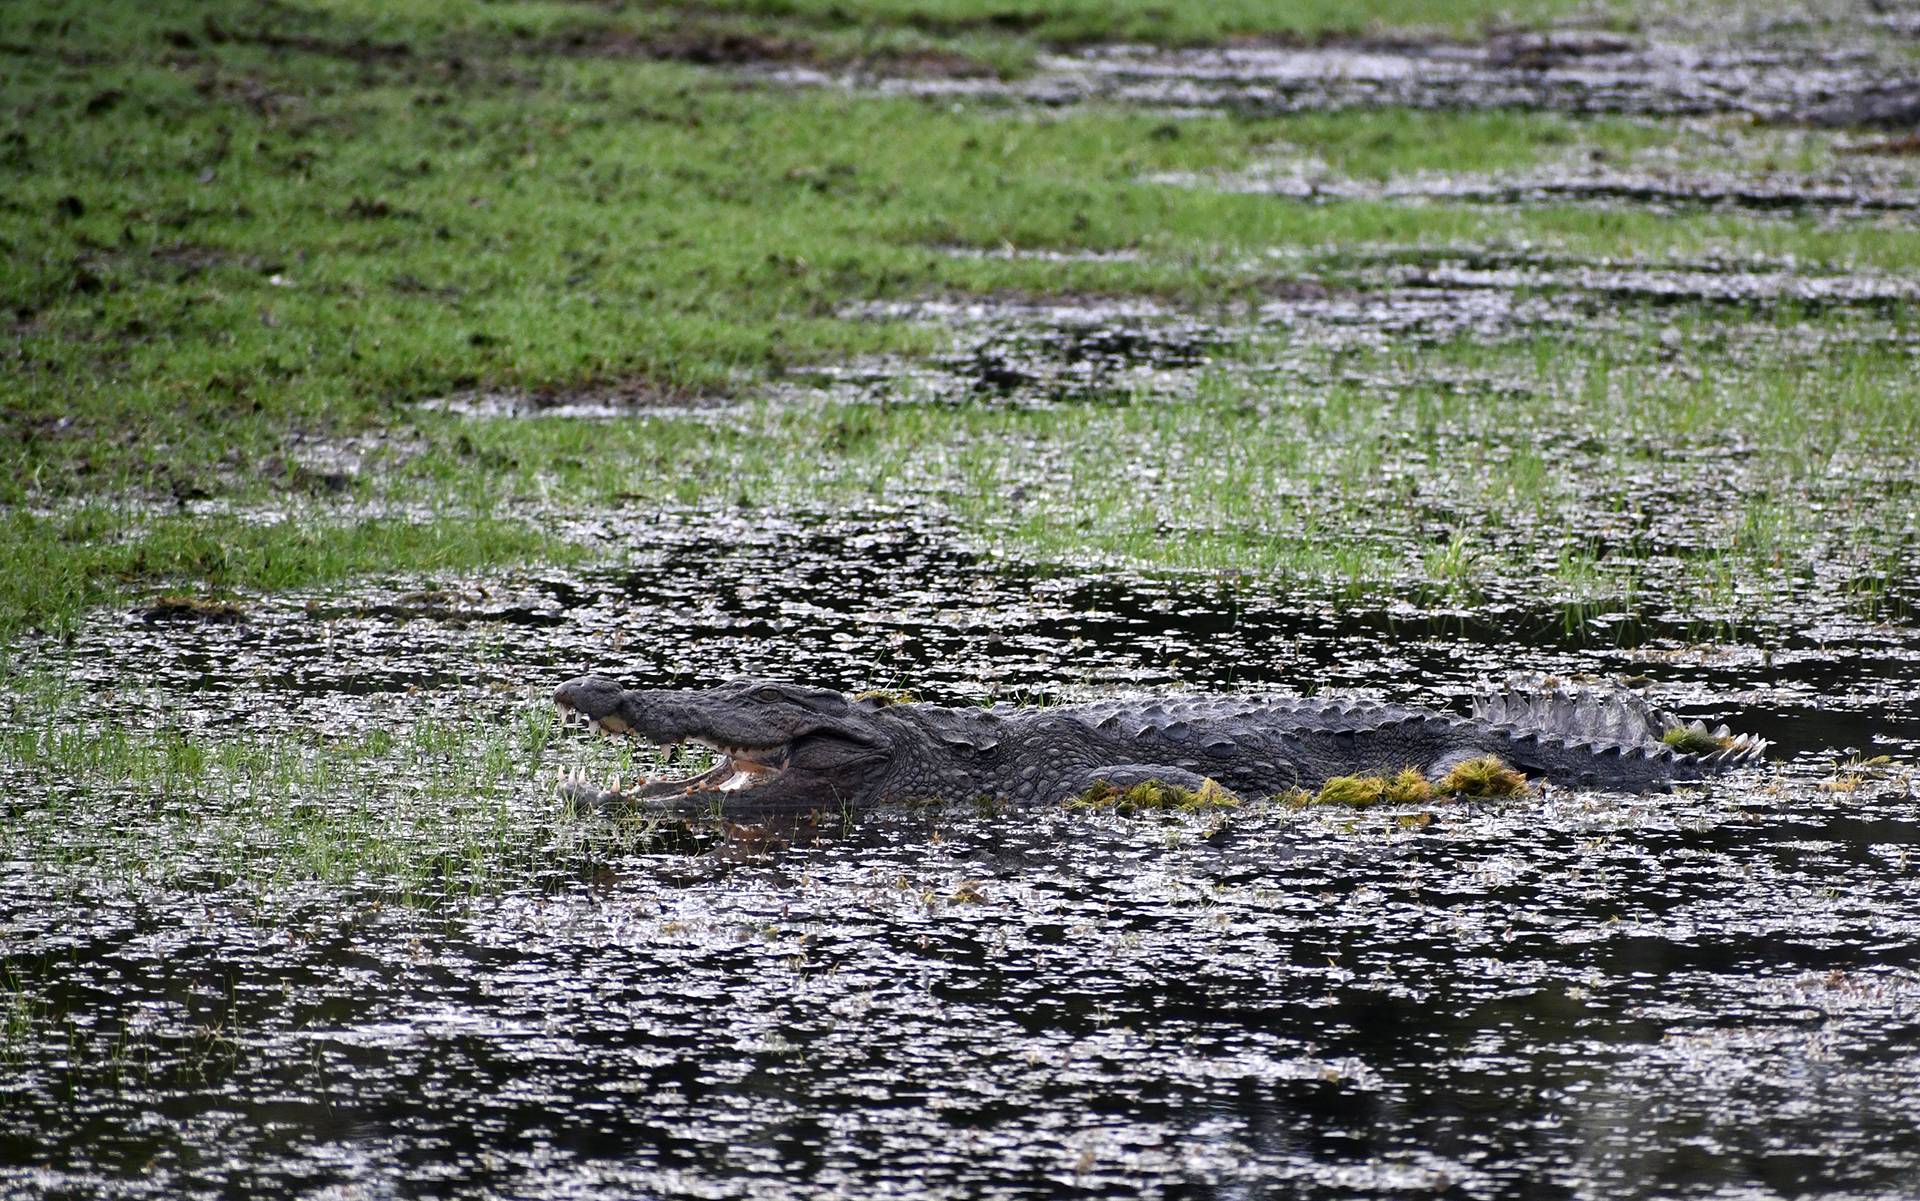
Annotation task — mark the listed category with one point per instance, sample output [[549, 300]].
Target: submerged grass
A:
[[1595, 473], [426, 813]]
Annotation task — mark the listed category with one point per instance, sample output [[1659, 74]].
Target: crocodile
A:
[[788, 747]]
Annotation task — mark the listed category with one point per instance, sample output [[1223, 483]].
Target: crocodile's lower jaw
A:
[[738, 770], [743, 779], [730, 774]]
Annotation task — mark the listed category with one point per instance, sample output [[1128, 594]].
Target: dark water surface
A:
[[1582, 994]]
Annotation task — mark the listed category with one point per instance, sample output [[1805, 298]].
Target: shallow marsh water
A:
[[1674, 71], [289, 901], [1579, 994], [316, 920]]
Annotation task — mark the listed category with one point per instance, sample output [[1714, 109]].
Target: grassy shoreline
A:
[[232, 243]]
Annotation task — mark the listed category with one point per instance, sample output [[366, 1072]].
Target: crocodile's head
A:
[[781, 746]]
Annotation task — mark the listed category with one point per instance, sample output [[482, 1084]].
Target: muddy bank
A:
[[1029, 352]]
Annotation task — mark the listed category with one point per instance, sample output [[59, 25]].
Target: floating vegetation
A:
[[887, 696], [1695, 739], [1404, 787], [1487, 776], [1352, 792], [1852, 774], [1407, 787], [1154, 796]]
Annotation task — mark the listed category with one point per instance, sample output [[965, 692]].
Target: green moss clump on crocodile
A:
[[787, 747], [1154, 796]]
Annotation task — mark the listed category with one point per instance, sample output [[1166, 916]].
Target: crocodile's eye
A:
[[769, 694]]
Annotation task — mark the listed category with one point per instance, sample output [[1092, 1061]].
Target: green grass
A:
[[1153, 796], [1593, 473], [225, 238], [191, 278], [1389, 142], [425, 811], [55, 566]]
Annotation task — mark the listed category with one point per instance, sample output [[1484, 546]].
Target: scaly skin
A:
[[785, 747]]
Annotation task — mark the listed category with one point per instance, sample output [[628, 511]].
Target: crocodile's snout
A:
[[593, 697], [800, 746]]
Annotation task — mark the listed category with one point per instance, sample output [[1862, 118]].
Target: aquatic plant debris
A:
[[1407, 787], [1153, 796], [1486, 776], [1482, 777], [1354, 792], [1696, 739]]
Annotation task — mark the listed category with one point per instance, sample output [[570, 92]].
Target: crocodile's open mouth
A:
[[781, 745], [737, 769]]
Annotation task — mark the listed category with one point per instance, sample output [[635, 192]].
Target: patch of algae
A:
[[1154, 796]]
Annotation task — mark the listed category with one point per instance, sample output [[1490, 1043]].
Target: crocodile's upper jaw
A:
[[786, 745]]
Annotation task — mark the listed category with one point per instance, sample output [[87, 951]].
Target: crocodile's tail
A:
[[1610, 738]]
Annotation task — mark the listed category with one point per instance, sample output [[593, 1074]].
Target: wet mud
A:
[[1025, 351], [1029, 352], [590, 403], [1703, 286]]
